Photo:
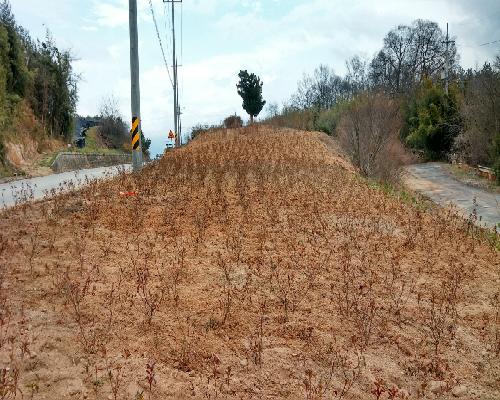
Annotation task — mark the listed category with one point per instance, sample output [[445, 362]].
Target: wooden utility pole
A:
[[447, 61], [177, 110], [135, 88]]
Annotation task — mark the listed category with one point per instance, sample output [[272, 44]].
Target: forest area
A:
[[399, 106], [38, 92]]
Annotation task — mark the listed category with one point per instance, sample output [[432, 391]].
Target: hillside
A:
[[252, 263], [95, 143], [24, 145], [38, 95]]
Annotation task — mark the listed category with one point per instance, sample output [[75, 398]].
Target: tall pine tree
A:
[[250, 89]]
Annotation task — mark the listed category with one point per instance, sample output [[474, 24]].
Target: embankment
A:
[[73, 161]]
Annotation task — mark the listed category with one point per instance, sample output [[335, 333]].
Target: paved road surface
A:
[[432, 180], [38, 187]]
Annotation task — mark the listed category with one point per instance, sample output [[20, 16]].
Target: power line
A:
[[495, 41], [182, 30], [182, 63], [159, 40], [177, 125], [167, 25]]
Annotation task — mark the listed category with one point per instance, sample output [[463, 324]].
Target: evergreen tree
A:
[[250, 89], [36, 75], [433, 120]]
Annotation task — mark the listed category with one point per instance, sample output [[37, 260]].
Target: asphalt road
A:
[[15, 192], [432, 180]]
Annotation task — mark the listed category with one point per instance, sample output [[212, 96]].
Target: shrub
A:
[[200, 128], [433, 120], [294, 118], [496, 165], [233, 122], [327, 121], [369, 131], [480, 141], [112, 128]]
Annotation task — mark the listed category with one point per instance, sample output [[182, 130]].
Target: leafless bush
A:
[[9, 383], [34, 248], [475, 145], [151, 289], [439, 321], [281, 230], [233, 122], [256, 342], [177, 272], [112, 128], [344, 370], [368, 131], [151, 376], [228, 289], [399, 290], [495, 336], [115, 380]]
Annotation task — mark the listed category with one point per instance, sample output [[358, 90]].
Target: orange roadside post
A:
[[131, 193]]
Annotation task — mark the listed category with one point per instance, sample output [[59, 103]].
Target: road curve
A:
[[432, 180], [16, 192]]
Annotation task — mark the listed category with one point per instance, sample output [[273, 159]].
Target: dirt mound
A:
[[251, 263]]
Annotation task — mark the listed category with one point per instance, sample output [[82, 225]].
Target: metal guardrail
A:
[[486, 172]]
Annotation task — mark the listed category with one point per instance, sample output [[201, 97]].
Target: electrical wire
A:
[[182, 63], [159, 40], [495, 41], [168, 28], [182, 31]]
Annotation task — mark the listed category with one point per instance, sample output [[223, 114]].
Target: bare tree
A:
[[369, 131], [112, 128], [356, 80], [320, 90], [481, 112], [411, 53], [428, 50], [109, 107], [272, 109]]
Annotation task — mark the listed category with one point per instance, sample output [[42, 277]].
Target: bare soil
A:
[[26, 158], [250, 264]]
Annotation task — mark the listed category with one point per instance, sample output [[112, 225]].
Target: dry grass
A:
[[251, 264]]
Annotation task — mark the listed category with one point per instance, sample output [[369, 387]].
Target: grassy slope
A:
[[250, 265], [38, 152], [469, 176], [93, 144]]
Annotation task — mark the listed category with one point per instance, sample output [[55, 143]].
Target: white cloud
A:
[[277, 39], [281, 49], [111, 14], [211, 7], [114, 13]]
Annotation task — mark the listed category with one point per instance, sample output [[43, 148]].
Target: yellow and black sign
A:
[[136, 136]]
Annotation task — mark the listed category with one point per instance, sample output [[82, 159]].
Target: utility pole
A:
[[177, 110], [447, 61], [135, 88]]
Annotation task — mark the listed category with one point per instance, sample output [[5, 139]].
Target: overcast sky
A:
[[277, 39]]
